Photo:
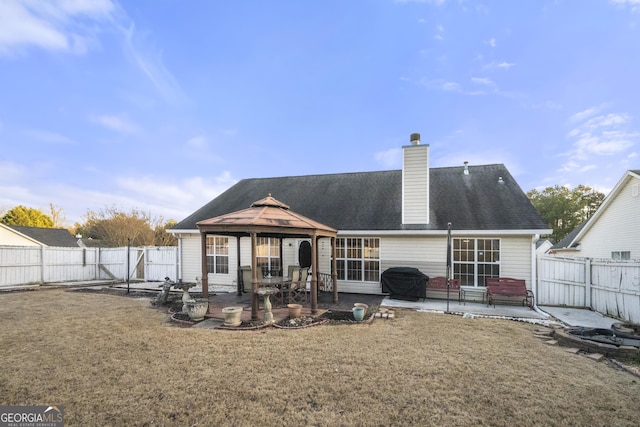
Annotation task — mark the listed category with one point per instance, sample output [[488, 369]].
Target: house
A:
[[14, 235], [613, 231], [384, 219]]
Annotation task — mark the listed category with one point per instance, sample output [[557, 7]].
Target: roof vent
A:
[[415, 139], [500, 180], [466, 168]]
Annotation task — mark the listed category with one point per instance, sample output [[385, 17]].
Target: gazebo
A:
[[269, 217]]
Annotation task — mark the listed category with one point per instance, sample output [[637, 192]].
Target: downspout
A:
[[179, 259], [534, 276]]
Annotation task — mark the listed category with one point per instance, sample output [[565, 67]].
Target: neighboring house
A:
[[384, 219], [613, 231], [543, 246], [14, 235]]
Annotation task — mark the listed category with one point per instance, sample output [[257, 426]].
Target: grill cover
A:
[[404, 283]]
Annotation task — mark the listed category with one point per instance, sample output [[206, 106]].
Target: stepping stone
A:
[[595, 356], [572, 350], [551, 342]]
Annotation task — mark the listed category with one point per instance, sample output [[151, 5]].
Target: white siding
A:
[[191, 262], [415, 184], [515, 260], [429, 255], [10, 238], [617, 228], [425, 253]]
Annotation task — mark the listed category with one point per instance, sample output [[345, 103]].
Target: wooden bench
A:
[[437, 288], [506, 289]]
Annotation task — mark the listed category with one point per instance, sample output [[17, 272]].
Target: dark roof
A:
[[564, 243], [373, 200], [48, 236]]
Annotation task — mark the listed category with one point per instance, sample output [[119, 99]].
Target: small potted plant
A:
[[358, 313], [294, 310], [232, 316], [196, 309]]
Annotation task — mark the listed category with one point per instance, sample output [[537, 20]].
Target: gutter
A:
[[534, 277]]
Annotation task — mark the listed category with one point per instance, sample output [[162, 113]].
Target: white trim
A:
[[178, 232]]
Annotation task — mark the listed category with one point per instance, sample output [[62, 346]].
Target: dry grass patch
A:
[[113, 360]]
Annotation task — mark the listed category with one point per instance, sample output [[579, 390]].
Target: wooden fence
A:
[[607, 286], [21, 265]]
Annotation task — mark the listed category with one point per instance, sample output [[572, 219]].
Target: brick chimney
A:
[[415, 182]]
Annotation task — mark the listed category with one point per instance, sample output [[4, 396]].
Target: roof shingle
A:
[[373, 200]]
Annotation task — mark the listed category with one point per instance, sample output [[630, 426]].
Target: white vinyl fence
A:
[[607, 286], [21, 265]]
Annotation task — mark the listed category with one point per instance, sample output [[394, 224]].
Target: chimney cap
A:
[[415, 139]]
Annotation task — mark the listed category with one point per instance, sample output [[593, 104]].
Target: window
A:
[[358, 259], [475, 259], [218, 254], [621, 255], [268, 255]]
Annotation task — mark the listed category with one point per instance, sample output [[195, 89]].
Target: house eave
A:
[[442, 232], [526, 232]]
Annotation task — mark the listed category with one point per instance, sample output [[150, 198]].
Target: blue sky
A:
[[161, 105]]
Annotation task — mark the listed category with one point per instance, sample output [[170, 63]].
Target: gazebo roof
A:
[[268, 216]]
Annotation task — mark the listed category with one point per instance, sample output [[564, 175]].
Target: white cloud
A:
[[151, 63], [175, 198], [596, 135], [439, 33], [492, 42], [197, 141], [583, 115], [633, 4], [115, 123], [390, 158], [482, 81], [451, 86], [504, 65], [169, 197], [59, 25]]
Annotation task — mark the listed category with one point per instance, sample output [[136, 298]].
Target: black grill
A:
[[404, 283]]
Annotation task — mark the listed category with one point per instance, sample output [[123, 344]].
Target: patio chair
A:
[[298, 288], [247, 277]]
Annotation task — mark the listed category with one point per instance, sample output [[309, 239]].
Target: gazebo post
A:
[[314, 274], [238, 272], [334, 270], [205, 273], [255, 302]]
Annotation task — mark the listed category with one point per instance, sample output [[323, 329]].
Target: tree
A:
[[117, 229], [564, 209], [27, 217], [57, 215], [162, 238]]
